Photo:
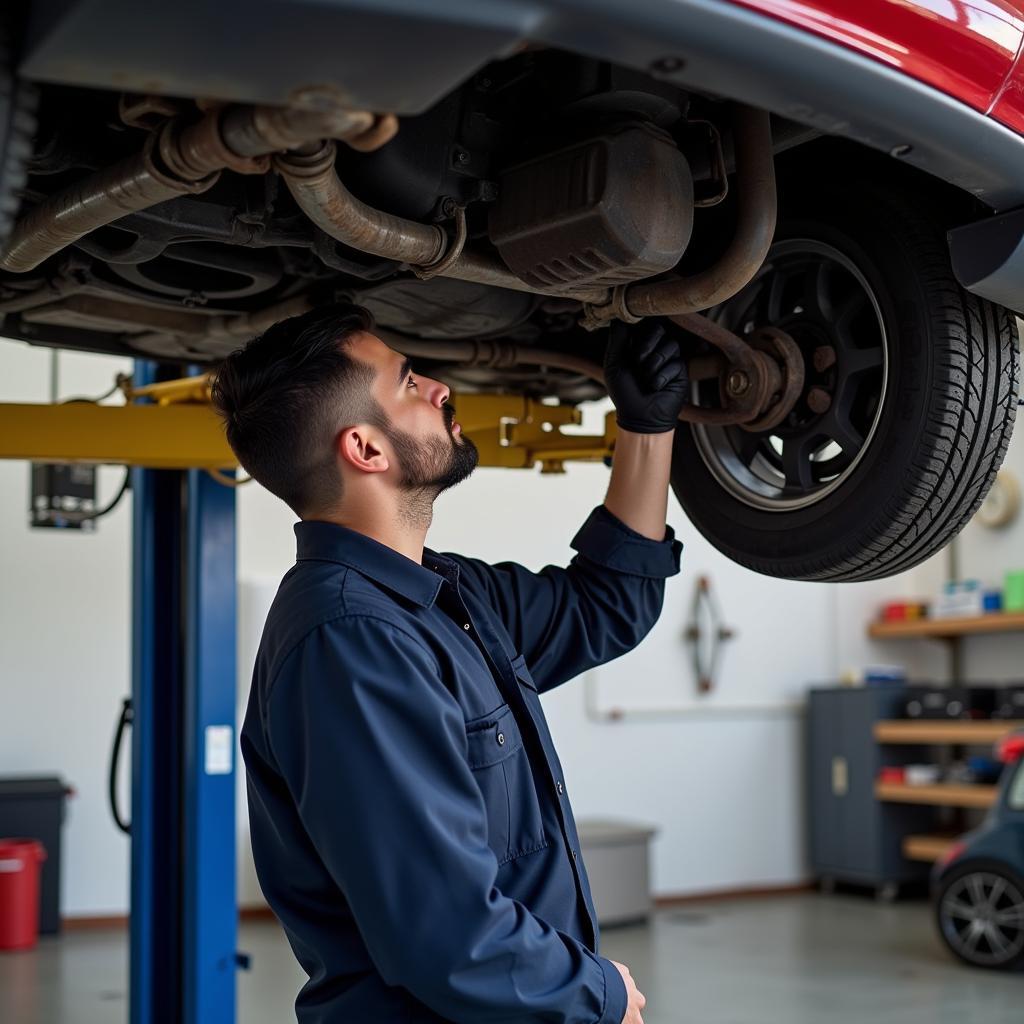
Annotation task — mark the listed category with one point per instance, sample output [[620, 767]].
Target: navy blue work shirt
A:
[[409, 817]]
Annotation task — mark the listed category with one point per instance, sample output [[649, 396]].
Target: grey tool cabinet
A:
[[854, 837]]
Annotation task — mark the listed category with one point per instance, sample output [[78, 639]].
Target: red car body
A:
[[968, 49]]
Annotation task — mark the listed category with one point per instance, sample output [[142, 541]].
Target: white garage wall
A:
[[988, 554], [65, 614], [719, 776], [983, 553]]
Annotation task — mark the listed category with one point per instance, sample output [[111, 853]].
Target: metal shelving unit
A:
[[898, 730], [954, 733], [927, 848], [883, 834], [952, 631], [939, 794], [948, 629], [970, 796]]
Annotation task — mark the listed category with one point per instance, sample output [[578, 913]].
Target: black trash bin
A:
[[33, 808]]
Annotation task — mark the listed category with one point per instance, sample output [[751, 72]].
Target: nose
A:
[[438, 393]]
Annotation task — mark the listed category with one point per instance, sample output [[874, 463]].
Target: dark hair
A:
[[285, 395]]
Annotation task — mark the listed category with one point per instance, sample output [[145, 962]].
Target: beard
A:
[[433, 465]]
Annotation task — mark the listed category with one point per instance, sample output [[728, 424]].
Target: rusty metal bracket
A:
[[716, 161], [147, 112], [761, 377], [447, 260], [791, 381]]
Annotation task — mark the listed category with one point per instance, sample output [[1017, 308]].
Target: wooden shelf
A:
[[994, 622], [929, 848], [940, 794], [952, 731]]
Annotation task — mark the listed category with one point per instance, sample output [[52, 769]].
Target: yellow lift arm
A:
[[175, 428]]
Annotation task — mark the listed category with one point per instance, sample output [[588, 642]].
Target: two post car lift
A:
[[183, 953]]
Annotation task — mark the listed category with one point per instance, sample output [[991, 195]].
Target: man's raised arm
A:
[[566, 620]]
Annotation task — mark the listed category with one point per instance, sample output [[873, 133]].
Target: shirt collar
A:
[[317, 540]]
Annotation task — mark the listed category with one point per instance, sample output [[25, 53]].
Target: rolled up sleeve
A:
[[373, 749], [608, 541], [566, 620]]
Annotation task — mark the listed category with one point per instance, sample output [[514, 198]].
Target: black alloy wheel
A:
[[907, 408], [820, 299], [980, 916]]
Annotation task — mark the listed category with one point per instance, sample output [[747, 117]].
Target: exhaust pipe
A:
[[314, 183], [322, 196], [180, 160], [187, 160]]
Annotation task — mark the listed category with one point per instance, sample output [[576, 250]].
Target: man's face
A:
[[427, 441]]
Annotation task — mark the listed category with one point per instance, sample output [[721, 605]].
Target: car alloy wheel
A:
[[981, 917], [908, 404], [814, 293]]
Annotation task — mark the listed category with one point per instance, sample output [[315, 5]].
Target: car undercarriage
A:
[[497, 232], [434, 226]]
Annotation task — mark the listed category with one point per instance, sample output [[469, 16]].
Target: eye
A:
[[411, 383]]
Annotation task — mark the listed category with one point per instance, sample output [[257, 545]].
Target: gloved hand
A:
[[646, 376]]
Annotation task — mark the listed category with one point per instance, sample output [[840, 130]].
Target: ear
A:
[[359, 447]]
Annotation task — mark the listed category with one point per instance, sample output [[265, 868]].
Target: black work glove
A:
[[646, 376]]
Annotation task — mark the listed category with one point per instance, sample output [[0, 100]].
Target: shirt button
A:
[[560, 788], [573, 852], [466, 626], [501, 739]]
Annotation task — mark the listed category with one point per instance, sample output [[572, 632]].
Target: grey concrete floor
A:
[[797, 959]]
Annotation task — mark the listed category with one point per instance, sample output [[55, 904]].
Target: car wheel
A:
[[980, 915], [17, 126], [907, 408]]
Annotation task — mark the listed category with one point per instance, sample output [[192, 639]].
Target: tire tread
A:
[[965, 440]]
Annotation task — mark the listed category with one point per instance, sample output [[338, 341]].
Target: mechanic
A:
[[409, 817]]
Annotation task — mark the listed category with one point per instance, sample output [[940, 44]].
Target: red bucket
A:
[[19, 892]]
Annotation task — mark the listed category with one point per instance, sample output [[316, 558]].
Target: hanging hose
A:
[[126, 718]]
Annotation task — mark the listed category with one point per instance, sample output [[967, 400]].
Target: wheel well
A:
[[987, 863], [839, 162]]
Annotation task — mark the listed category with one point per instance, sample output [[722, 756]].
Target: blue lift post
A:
[[183, 904]]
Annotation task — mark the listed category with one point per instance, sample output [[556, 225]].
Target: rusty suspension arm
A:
[[758, 388]]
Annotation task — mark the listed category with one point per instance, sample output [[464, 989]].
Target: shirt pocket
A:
[[502, 770]]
